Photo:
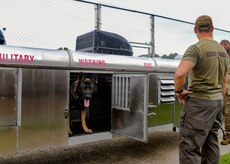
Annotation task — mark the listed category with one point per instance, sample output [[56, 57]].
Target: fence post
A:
[[98, 17], [152, 30]]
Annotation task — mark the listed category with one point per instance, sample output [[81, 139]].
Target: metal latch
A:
[[66, 113], [150, 107]]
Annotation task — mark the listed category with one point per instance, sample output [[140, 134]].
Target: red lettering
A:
[[26, 57], [32, 57], [91, 62], [3, 57], [16, 57], [20, 58], [148, 65], [81, 61]]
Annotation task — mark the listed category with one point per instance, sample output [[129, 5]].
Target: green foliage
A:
[[170, 56], [63, 48], [164, 56], [225, 159], [148, 55]]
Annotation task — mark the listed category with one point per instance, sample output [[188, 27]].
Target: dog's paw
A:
[[88, 131], [70, 133]]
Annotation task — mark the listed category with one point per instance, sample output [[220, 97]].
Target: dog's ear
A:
[[81, 77], [94, 78]]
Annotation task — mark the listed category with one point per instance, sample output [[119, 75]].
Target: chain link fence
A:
[[53, 24]]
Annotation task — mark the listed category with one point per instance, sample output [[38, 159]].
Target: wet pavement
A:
[[162, 148]]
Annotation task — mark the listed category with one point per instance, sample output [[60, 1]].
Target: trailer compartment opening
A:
[[98, 115]]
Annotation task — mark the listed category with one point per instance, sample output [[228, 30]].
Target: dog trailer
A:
[[135, 95]]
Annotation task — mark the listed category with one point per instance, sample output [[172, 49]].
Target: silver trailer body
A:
[[34, 95]]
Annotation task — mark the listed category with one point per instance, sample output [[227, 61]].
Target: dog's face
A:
[[83, 89]]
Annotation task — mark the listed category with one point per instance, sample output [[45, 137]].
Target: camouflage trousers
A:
[[227, 114]]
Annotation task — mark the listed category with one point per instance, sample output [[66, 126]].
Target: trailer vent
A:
[[121, 93], [167, 93], [161, 88]]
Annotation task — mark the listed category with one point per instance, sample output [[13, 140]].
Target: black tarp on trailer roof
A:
[[98, 41], [2, 38]]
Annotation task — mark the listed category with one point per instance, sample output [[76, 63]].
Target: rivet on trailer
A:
[[135, 95]]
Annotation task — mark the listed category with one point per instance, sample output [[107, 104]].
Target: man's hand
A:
[[183, 96]]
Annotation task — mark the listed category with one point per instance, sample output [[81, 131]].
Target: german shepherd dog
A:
[[82, 91]]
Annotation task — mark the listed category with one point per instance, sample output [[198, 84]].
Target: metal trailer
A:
[[35, 93]]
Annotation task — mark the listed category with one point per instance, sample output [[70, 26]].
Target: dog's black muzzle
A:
[[88, 96]]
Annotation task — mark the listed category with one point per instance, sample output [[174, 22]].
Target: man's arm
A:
[[180, 77], [181, 73]]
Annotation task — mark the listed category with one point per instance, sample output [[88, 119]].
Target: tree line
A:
[[169, 56]]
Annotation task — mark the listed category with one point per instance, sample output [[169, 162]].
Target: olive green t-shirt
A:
[[211, 64]]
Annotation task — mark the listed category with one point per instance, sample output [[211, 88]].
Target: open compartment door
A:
[[129, 105]]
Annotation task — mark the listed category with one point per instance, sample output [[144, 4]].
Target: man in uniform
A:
[[206, 62], [226, 45]]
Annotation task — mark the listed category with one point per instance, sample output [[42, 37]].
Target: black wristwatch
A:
[[180, 91]]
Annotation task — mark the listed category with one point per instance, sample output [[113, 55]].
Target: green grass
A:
[[225, 159]]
